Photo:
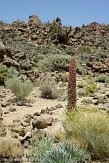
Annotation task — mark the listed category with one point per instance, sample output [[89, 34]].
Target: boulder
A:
[[39, 122]]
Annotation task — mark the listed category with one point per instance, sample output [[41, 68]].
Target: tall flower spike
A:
[[72, 85]]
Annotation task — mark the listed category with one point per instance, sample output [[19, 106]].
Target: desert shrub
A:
[[80, 69], [87, 101], [21, 89], [10, 149], [19, 23], [4, 73], [70, 50], [13, 72], [81, 92], [48, 89], [91, 88], [102, 78], [39, 148], [84, 50], [65, 153], [63, 76], [89, 129], [80, 84], [57, 62]]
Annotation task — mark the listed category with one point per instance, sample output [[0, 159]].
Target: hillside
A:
[[23, 44]]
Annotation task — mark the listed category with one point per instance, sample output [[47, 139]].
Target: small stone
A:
[[52, 108], [1, 112], [26, 137], [49, 121], [37, 114], [11, 109], [43, 111], [27, 118], [59, 106], [25, 124], [20, 103], [26, 144], [6, 112], [95, 102], [4, 104]]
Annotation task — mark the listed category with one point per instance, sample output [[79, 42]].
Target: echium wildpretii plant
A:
[[72, 85]]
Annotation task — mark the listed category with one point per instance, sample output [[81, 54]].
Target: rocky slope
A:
[[17, 38]]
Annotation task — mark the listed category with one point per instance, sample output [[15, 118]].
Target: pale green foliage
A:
[[13, 72], [65, 153], [84, 50], [4, 73], [102, 78], [54, 62], [90, 130], [40, 148], [91, 88], [20, 88], [44, 151], [48, 89]]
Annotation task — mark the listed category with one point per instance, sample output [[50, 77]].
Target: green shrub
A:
[[102, 78], [89, 128], [80, 69], [63, 76], [91, 88], [48, 89], [20, 88], [4, 73], [84, 50], [65, 153], [13, 72], [10, 148], [40, 148], [87, 101], [81, 92], [57, 62]]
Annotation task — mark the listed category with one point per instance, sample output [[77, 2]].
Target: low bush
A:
[[63, 76], [57, 62], [4, 73], [21, 89], [91, 88], [89, 128], [80, 69], [102, 78], [81, 92], [10, 149], [48, 89], [84, 50]]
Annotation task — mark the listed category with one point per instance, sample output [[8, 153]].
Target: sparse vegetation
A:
[[48, 89], [91, 88], [89, 129], [57, 62], [102, 78], [4, 73], [21, 89], [10, 149]]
